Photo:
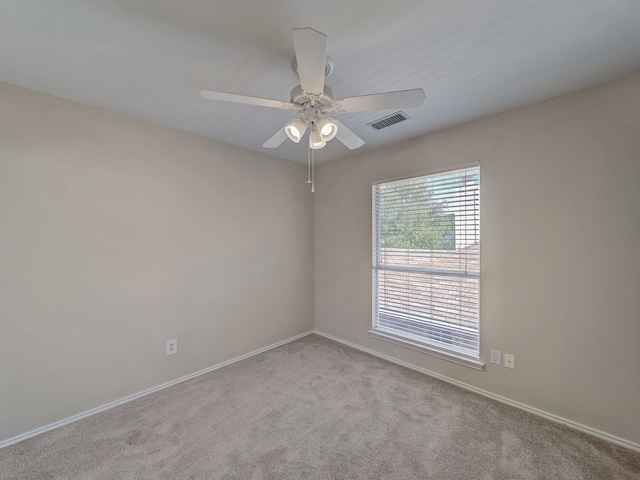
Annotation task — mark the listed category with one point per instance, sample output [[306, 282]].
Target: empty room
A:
[[327, 240]]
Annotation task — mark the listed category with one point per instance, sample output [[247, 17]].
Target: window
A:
[[426, 264]]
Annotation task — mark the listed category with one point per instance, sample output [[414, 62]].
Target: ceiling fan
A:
[[313, 100]]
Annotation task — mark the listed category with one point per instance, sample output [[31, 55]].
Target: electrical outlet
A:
[[171, 347], [509, 360], [496, 356]]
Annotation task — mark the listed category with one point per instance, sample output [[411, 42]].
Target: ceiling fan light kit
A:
[[295, 129], [328, 128], [314, 100], [316, 142]]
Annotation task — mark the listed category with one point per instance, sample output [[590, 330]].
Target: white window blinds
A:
[[426, 259]]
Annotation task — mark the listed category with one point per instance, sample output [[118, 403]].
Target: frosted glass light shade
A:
[[327, 128], [295, 129], [315, 139]]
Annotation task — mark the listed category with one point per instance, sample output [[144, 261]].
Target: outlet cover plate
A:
[[509, 360], [171, 347], [496, 356]]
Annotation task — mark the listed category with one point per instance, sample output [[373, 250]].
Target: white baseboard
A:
[[107, 406], [549, 416]]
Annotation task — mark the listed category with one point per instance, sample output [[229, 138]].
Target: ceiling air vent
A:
[[389, 120]]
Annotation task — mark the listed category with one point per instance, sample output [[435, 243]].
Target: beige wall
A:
[[116, 235], [560, 239]]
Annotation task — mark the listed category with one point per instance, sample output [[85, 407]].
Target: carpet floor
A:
[[315, 409]]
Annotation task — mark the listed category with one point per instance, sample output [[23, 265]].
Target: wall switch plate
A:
[[496, 356], [509, 360], [171, 347]]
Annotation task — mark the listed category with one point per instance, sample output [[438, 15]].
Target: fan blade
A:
[[248, 100], [275, 141], [346, 136], [311, 57], [380, 101]]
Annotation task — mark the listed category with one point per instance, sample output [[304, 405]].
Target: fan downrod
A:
[[328, 66]]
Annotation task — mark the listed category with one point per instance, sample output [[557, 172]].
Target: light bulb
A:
[[315, 139], [295, 129], [328, 128]]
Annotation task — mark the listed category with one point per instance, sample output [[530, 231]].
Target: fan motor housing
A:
[[300, 97]]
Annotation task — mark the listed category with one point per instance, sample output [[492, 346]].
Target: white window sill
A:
[[429, 350]]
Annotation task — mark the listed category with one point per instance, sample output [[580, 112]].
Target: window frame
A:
[[410, 341]]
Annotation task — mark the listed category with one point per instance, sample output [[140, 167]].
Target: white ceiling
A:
[[150, 58]]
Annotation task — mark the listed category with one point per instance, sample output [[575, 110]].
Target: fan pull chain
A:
[[308, 166], [311, 170]]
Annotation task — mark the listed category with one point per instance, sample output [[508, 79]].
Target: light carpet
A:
[[315, 409]]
